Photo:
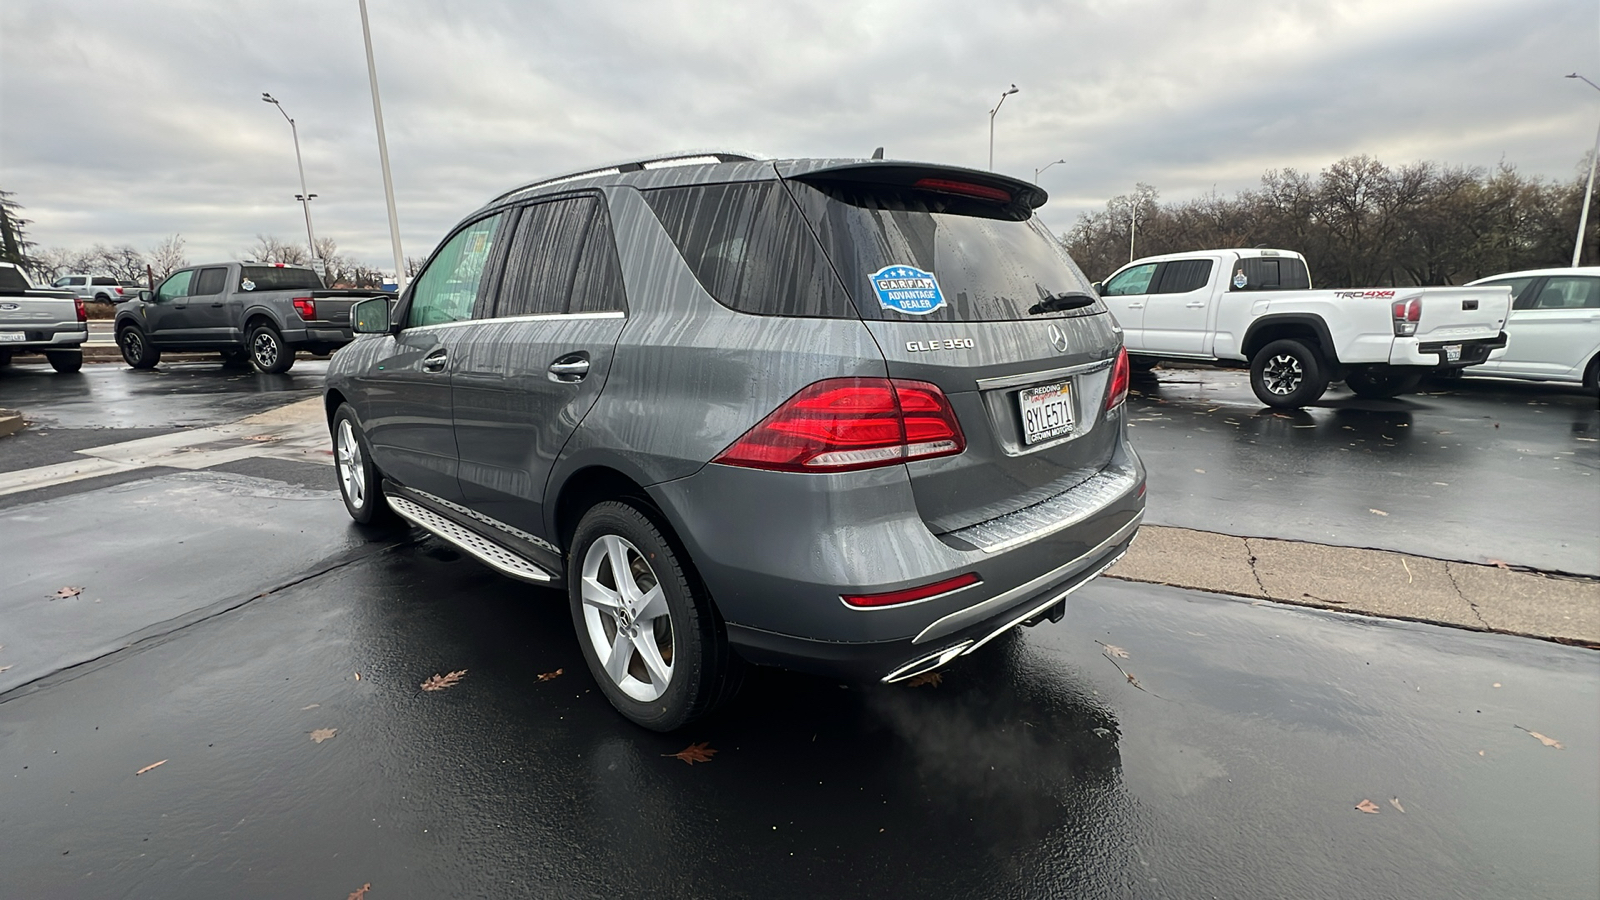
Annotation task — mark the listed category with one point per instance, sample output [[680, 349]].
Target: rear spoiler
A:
[[926, 176]]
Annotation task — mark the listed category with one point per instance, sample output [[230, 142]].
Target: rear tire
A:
[[65, 360], [360, 482], [1288, 374], [269, 355], [1381, 383], [136, 349], [1591, 375], [1142, 363], [648, 630]]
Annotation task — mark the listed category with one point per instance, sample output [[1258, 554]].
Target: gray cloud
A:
[[126, 121]]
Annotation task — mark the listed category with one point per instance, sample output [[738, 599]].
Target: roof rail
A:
[[687, 158]]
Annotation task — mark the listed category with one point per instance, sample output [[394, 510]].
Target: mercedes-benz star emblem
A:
[[1057, 339]]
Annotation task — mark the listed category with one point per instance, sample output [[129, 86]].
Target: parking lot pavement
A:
[[1476, 470], [1158, 743]]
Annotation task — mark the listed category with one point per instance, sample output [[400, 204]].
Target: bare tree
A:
[[269, 249], [167, 256]]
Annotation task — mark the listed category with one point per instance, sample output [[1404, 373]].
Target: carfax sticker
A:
[[907, 289]]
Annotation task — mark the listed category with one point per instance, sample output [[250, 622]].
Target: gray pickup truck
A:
[[35, 320], [256, 312]]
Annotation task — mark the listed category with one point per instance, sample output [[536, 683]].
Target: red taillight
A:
[[1406, 315], [1119, 380], [967, 188], [844, 424], [910, 594], [83, 314], [306, 307]]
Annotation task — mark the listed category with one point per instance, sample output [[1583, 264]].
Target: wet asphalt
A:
[[1156, 743]]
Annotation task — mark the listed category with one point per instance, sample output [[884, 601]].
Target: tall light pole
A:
[[304, 196], [1036, 172], [383, 154], [996, 109], [1583, 218]]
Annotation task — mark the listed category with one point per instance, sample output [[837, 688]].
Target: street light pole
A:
[[383, 154], [1583, 217], [992, 112], [1036, 172], [304, 196]]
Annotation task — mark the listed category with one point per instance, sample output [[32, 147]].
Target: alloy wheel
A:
[[626, 618], [132, 344], [352, 468], [1283, 374], [265, 350]]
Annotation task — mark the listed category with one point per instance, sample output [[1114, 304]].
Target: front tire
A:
[[648, 630], [269, 355], [1381, 383], [65, 360], [1288, 374], [360, 482], [136, 349]]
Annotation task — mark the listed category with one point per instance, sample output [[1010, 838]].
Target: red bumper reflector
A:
[[916, 593]]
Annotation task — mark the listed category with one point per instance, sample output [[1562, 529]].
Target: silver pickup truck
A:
[[256, 312], [34, 320]]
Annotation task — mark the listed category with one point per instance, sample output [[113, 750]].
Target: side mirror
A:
[[1098, 292], [370, 316], [146, 295]]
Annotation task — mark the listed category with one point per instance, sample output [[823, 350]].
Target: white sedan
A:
[[1553, 333]]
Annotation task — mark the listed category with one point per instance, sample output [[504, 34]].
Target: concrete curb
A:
[[11, 422], [1383, 583]]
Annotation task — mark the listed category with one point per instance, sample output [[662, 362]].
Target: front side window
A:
[[176, 285], [447, 289], [562, 260], [1130, 281], [1569, 292], [73, 281]]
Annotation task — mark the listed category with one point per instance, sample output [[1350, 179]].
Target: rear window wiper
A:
[[1062, 302]]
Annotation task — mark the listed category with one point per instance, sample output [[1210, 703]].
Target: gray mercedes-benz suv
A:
[[851, 417]]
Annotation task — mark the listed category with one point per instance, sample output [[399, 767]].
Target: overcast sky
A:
[[122, 121]]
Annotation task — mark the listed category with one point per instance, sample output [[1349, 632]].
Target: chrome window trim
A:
[[541, 317]]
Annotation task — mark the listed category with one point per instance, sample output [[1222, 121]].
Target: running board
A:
[[481, 548]]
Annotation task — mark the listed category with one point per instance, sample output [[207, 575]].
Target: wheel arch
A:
[[1306, 327], [594, 484], [260, 315]]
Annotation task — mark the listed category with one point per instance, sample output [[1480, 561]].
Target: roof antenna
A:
[[878, 153]]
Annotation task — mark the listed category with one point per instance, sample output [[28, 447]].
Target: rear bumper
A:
[[319, 334], [1435, 355], [45, 338]]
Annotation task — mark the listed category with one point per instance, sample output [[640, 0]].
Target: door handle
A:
[[569, 369], [1196, 304], [435, 361], [215, 305], [1139, 305], [180, 306]]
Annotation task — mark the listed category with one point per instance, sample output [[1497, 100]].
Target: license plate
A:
[[12, 337], [1452, 352], [1046, 412]]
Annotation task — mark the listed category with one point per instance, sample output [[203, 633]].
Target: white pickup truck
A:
[[1256, 308], [34, 320]]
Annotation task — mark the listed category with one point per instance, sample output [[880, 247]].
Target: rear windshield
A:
[[273, 278], [1269, 273], [12, 280], [907, 255]]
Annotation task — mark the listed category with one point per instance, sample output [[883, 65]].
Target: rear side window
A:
[[1520, 298], [276, 278], [562, 260], [1182, 276], [751, 249], [210, 281], [100, 282], [1270, 273], [908, 255], [1569, 292], [449, 286]]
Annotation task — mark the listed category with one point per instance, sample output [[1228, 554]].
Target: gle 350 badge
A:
[[907, 289]]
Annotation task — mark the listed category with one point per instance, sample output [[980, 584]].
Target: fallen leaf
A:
[[3, 668], [1201, 471], [1498, 564], [1547, 741], [930, 679], [1377, 512], [323, 734], [312, 706], [694, 753], [1367, 806], [546, 676], [63, 593], [358, 676], [440, 682], [1480, 752], [1113, 650], [360, 893], [1395, 802], [149, 767], [1497, 684]]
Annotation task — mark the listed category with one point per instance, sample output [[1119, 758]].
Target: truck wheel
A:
[[1142, 363], [268, 354], [136, 349], [1381, 383], [360, 482], [65, 360], [233, 358], [1591, 375], [1287, 374], [5, 357], [648, 630]]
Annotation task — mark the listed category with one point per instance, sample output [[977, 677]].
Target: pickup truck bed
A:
[[33, 320]]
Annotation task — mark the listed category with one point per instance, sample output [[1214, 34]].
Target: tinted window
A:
[[448, 287], [12, 280], [1130, 281], [73, 280], [103, 281], [1183, 276], [1270, 273], [562, 260], [751, 249], [176, 285], [1519, 287], [211, 281], [1569, 292], [276, 278]]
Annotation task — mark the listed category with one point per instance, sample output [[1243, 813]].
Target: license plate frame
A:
[[1452, 352], [1051, 411], [13, 337]]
